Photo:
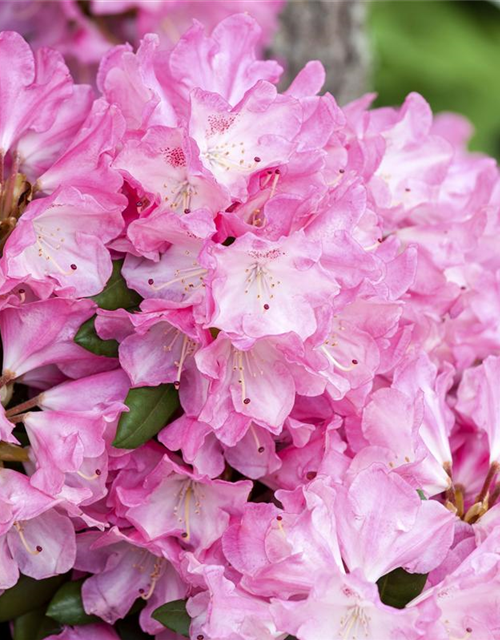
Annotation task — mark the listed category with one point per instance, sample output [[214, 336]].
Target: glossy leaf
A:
[[87, 338], [174, 616], [67, 607], [116, 294], [150, 410], [399, 587], [28, 594]]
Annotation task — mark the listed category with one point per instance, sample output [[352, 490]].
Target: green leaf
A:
[[116, 294], [150, 410], [399, 587], [421, 494], [174, 616], [28, 594], [67, 607], [87, 338], [34, 625]]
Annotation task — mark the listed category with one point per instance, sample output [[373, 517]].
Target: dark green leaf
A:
[[290, 638], [150, 410], [48, 627], [67, 607], [399, 587], [34, 625], [87, 338], [116, 294], [174, 616], [28, 594]]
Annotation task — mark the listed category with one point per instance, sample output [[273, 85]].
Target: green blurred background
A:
[[449, 51]]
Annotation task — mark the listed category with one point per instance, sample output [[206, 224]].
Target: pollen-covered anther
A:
[[48, 244], [156, 574], [191, 278], [355, 625], [189, 503]]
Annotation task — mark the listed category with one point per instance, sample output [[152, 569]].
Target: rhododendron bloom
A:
[[250, 343]]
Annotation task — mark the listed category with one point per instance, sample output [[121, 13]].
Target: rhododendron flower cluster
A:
[[251, 351]]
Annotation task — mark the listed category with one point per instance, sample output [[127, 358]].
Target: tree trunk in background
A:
[[330, 31]]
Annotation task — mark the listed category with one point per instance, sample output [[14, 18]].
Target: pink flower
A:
[[386, 525], [124, 569], [260, 288], [478, 401], [32, 89], [39, 333], [34, 537], [344, 604], [194, 509], [60, 241], [228, 141]]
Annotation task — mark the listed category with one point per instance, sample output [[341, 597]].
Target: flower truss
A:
[[251, 352]]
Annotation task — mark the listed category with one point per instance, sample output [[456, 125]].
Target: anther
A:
[[39, 548], [184, 535], [73, 266], [341, 170], [177, 384], [408, 189], [256, 159], [98, 472], [261, 449], [141, 591], [187, 210], [200, 637], [138, 204], [279, 518], [21, 291], [310, 475], [266, 307], [151, 281], [354, 361], [246, 401]]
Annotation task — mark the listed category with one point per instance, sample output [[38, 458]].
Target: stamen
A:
[[184, 353], [493, 470], [281, 529], [34, 552], [187, 274], [277, 174], [47, 242], [97, 473], [255, 437], [155, 576], [186, 511], [336, 363], [356, 618]]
